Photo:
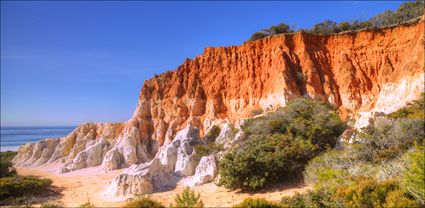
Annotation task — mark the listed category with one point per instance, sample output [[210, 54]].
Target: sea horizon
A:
[[12, 137]]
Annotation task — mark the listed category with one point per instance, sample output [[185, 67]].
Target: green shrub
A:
[[6, 167], [205, 150], [257, 203], [302, 118], [330, 179], [366, 192], [334, 160], [273, 30], [212, 134], [344, 26], [399, 198], [52, 205], [312, 198], [257, 36], [324, 28], [405, 12], [296, 201], [7, 156], [188, 199], [21, 186], [386, 139], [280, 28], [143, 202], [279, 144], [414, 174], [26, 201]]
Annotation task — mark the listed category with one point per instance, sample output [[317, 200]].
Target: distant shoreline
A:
[[12, 137]]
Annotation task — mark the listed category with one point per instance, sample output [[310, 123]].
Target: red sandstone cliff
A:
[[374, 70], [361, 72]]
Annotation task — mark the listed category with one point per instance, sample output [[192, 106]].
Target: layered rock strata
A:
[[362, 72]]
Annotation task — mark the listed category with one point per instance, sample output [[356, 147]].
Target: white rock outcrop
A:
[[90, 157], [227, 135], [174, 161], [206, 171], [112, 145]]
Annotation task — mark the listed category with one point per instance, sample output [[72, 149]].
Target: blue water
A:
[[12, 137]]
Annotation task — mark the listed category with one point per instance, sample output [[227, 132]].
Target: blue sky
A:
[[64, 63]]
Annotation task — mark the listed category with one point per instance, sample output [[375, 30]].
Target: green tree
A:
[[281, 28], [324, 28], [344, 26]]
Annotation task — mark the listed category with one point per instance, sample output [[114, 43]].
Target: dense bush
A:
[[366, 192], [414, 175], [328, 168], [280, 28], [377, 154], [257, 203], [143, 202], [21, 186], [7, 156], [188, 199], [279, 144], [359, 192], [312, 120], [324, 28], [312, 198], [387, 138], [6, 167], [399, 198], [273, 30], [405, 12]]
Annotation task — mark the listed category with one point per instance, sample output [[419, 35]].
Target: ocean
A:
[[12, 137]]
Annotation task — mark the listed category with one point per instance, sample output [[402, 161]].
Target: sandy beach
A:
[[88, 184]]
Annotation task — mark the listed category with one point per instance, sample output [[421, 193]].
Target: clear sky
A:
[[67, 62]]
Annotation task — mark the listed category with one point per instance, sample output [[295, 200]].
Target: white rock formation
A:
[[206, 170], [227, 135], [174, 161], [113, 145], [90, 157], [129, 150], [36, 153]]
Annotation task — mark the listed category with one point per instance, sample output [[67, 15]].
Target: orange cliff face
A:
[[361, 72], [366, 71]]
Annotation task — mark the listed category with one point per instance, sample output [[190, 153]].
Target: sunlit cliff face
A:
[[361, 72]]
